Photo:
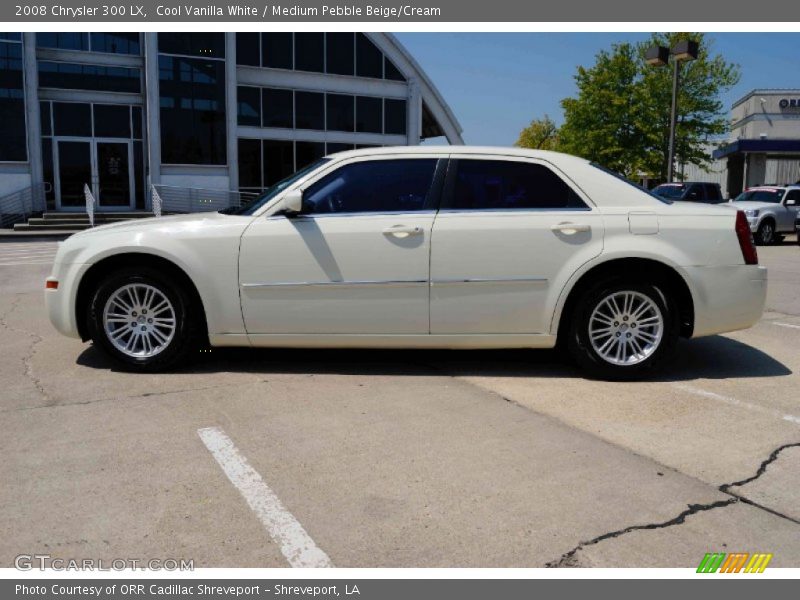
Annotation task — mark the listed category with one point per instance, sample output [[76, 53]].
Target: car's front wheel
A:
[[765, 235], [623, 330], [143, 319]]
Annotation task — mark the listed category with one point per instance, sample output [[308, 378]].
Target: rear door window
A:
[[476, 184]]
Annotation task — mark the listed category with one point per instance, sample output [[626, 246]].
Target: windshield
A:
[[773, 196], [670, 190], [274, 190], [661, 199]]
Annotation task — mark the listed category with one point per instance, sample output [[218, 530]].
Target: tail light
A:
[[746, 242]]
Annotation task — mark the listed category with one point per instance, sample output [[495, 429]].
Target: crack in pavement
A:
[[569, 559], [131, 397], [27, 358]]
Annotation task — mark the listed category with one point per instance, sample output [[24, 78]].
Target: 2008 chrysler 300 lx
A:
[[421, 247]]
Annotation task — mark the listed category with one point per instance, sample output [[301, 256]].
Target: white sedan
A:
[[421, 247]]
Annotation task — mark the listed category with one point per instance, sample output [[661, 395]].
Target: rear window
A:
[[760, 196], [670, 190], [661, 199]]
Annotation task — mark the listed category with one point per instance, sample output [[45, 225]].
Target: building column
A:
[[231, 110], [414, 112], [152, 114], [33, 119]]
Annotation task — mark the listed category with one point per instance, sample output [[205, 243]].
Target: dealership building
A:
[[763, 146], [212, 111]]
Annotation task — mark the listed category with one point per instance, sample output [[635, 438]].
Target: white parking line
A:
[[295, 544], [734, 402], [785, 325]]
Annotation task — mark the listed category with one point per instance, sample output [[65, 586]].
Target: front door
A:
[[104, 165], [355, 261], [114, 175], [74, 170], [506, 235]]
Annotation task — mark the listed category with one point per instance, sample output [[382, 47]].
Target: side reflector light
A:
[[51, 285]]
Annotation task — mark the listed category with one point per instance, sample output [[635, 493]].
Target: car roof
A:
[[550, 156], [679, 183], [766, 188]]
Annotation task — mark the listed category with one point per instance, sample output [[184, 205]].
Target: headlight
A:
[[751, 212]]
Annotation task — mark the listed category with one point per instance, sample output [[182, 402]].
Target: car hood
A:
[[747, 204], [169, 224]]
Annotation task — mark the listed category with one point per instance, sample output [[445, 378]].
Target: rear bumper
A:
[[727, 298]]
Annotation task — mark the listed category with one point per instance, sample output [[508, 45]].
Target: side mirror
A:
[[791, 202], [292, 203]]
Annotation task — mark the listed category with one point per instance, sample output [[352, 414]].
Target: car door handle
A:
[[402, 231], [570, 228]]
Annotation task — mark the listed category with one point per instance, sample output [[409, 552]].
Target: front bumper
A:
[[727, 298], [60, 303]]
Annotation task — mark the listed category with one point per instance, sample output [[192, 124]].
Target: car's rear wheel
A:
[[143, 320], [765, 235], [623, 330]]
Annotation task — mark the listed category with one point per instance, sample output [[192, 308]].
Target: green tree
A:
[[620, 117], [541, 134]]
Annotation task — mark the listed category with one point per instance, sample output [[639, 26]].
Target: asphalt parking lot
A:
[[398, 458]]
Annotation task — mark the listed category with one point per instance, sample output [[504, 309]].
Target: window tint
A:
[[64, 41], [112, 120], [249, 163], [277, 108], [12, 104], [369, 114], [695, 193], [341, 112], [373, 186], [276, 50], [206, 45], [340, 53], [307, 153], [713, 193], [248, 106], [309, 51], [75, 76], [369, 60], [793, 195], [504, 185], [192, 98], [117, 43], [765, 195], [248, 49], [309, 110], [72, 118], [394, 116]]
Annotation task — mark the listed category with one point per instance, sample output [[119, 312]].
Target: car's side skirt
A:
[[466, 341]]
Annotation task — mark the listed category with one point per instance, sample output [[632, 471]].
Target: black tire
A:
[[589, 359], [765, 235], [187, 339]]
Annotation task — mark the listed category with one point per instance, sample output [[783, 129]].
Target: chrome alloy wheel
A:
[[139, 320], [625, 328]]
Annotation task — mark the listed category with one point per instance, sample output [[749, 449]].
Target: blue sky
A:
[[497, 82]]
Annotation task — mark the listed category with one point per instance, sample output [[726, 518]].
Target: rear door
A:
[[508, 231], [790, 211]]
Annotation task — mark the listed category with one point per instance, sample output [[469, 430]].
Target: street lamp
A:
[[658, 56]]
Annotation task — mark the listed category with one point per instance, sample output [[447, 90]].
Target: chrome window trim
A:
[[365, 213], [515, 210]]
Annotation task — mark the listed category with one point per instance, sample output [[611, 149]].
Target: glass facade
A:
[[113, 43], [192, 100], [73, 76], [14, 146], [312, 94], [321, 111], [352, 54]]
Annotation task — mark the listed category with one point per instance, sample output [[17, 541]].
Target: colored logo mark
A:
[[737, 562]]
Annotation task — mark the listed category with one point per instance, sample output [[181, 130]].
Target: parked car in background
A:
[[419, 247], [691, 191], [771, 211]]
